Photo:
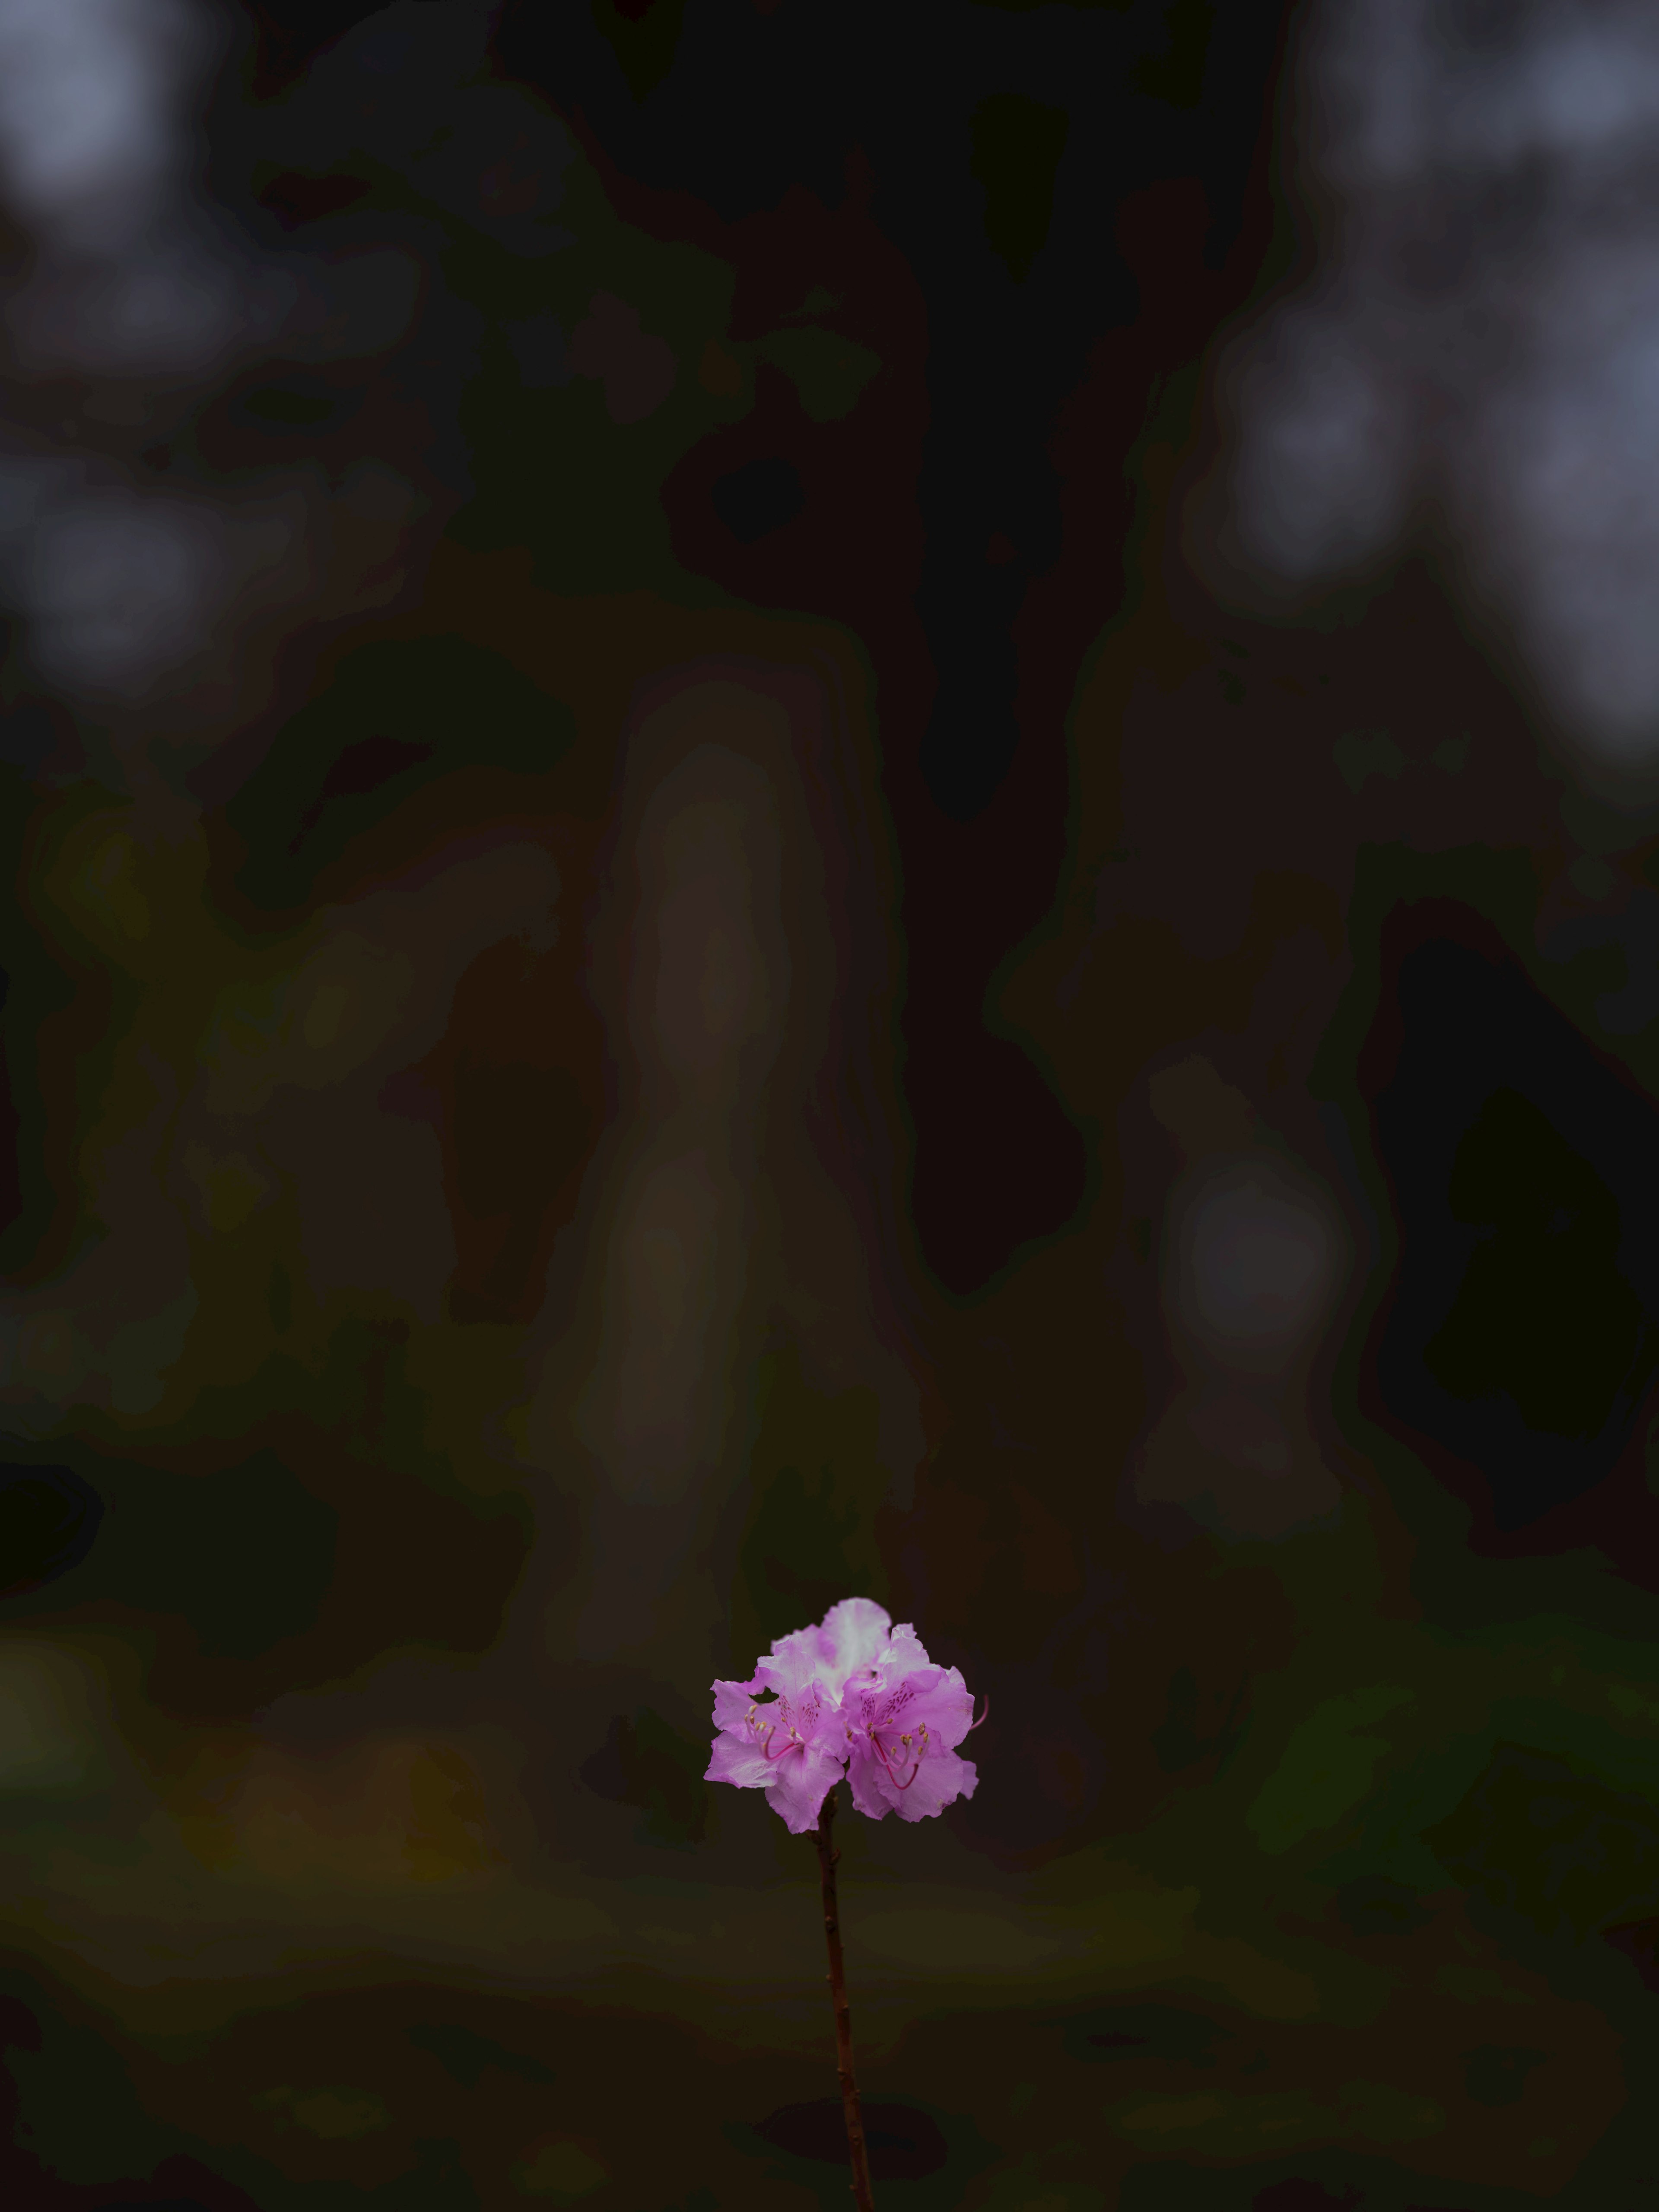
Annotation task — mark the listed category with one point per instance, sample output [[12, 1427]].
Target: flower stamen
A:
[[881, 1754]]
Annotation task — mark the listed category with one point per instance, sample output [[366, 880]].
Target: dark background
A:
[[1313, 1859]]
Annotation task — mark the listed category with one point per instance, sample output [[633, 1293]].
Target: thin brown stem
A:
[[850, 2095]]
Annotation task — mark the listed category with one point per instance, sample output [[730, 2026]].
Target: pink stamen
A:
[[980, 1723], [881, 1756]]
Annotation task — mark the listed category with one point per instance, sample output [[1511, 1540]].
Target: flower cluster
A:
[[853, 1696]]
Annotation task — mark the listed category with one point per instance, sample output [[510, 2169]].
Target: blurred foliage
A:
[[1552, 1845], [645, 1762], [392, 716]]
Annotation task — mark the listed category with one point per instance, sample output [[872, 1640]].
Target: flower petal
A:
[[941, 1778], [801, 1782], [739, 1761], [731, 1702], [905, 1649], [900, 1702], [793, 1673], [944, 1705], [860, 1775], [810, 1644], [857, 1632]]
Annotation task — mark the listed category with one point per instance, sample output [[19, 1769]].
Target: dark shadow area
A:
[[49, 1521], [1521, 1335]]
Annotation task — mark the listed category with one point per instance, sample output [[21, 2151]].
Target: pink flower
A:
[[853, 1690], [904, 1718], [849, 1636], [788, 1747]]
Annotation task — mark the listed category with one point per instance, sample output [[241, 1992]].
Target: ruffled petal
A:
[[862, 1769], [801, 1782], [946, 1706], [941, 1778], [739, 1761], [903, 1701], [791, 1671], [856, 1631], [808, 1645], [731, 1702], [905, 1650]]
